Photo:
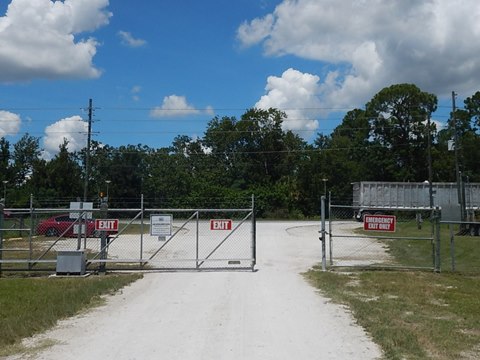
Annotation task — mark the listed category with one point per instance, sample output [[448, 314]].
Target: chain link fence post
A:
[[436, 219], [254, 234], [103, 235], [452, 246], [330, 228], [142, 227], [323, 237], [2, 207], [30, 235]]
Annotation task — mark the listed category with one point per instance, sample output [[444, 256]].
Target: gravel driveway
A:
[[272, 313]]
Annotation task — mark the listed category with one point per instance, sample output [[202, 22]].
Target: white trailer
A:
[[376, 197]]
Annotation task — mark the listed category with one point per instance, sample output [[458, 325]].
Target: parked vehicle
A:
[[63, 224]]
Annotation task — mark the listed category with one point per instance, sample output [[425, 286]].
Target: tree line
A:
[[390, 139]]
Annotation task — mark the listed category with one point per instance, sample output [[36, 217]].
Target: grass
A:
[[411, 315], [32, 305], [412, 253], [420, 252]]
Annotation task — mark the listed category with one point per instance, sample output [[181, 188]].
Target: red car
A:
[[63, 224]]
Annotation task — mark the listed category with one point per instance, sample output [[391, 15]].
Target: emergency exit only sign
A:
[[379, 223]]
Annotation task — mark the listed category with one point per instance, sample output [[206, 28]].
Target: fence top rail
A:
[[382, 237], [125, 210], [460, 222], [412, 208], [59, 210], [67, 210], [14, 229], [199, 210]]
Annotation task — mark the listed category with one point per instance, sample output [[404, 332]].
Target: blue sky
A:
[[158, 69]]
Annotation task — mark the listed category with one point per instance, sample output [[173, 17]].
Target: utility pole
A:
[[458, 174], [430, 166], [87, 153]]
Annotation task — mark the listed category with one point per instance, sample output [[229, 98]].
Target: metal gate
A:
[[410, 245], [195, 242]]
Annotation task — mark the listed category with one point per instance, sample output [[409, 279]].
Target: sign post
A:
[[81, 227]]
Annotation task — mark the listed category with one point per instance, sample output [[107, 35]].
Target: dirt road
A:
[[272, 313]]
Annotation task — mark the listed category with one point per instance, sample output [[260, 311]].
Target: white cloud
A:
[[296, 94], [255, 31], [129, 40], [37, 39], [74, 129], [9, 123], [175, 105], [368, 45]]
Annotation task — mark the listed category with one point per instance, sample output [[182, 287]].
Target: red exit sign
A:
[[106, 224], [379, 223], [220, 224]]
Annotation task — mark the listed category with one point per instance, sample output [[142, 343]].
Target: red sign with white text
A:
[[220, 224], [379, 223], [106, 224]]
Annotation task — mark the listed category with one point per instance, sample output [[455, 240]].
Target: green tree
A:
[[128, 170], [470, 138], [64, 173], [25, 154], [225, 143], [353, 150], [4, 159], [255, 154], [170, 173], [472, 106], [254, 149], [102, 169], [468, 143], [398, 116]]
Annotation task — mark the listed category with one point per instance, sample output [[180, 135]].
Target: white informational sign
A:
[[76, 229], [161, 225], [80, 206]]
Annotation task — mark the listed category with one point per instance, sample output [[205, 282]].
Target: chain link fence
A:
[[382, 239], [460, 246], [32, 239]]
